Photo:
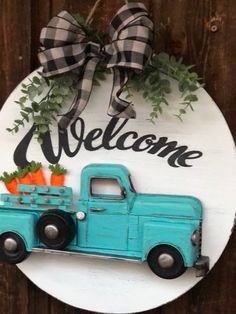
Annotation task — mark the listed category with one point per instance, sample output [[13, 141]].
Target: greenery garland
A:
[[55, 91]]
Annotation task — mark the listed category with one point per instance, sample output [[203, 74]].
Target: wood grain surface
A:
[[203, 32]]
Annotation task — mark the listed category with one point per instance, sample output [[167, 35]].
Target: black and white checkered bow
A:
[[64, 48]]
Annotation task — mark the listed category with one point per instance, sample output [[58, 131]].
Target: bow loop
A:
[[131, 31], [64, 48], [63, 29], [125, 16]]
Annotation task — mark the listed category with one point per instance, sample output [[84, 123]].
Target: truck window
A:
[[106, 188]]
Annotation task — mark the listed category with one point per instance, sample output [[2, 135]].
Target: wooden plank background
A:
[[203, 32]]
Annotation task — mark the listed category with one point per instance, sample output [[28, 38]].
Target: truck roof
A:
[[105, 169]]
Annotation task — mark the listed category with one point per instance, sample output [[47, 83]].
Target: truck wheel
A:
[[55, 229], [12, 248], [166, 262]]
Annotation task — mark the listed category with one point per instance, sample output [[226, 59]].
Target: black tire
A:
[[170, 271], [12, 256], [64, 224]]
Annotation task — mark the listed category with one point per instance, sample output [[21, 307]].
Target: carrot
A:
[[57, 180], [12, 186], [23, 175], [26, 179], [10, 182], [38, 177], [57, 175], [37, 174]]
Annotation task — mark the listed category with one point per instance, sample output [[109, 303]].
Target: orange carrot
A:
[[12, 186], [10, 182], [26, 179], [57, 179], [23, 175], [58, 175], [37, 174], [38, 177]]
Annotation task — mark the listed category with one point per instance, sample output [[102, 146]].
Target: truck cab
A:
[[110, 219]]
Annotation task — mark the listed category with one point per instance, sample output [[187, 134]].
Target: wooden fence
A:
[[203, 32]]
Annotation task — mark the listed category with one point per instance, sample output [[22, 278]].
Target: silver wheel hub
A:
[[51, 232], [165, 260], [10, 245]]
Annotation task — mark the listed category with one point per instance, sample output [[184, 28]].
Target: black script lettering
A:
[[109, 132], [79, 138], [176, 155], [20, 153], [92, 135], [47, 148], [63, 142], [147, 139], [121, 140], [169, 147], [194, 154]]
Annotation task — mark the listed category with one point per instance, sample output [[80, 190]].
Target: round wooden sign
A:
[[196, 157]]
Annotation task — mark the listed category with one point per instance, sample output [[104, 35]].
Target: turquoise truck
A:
[[109, 219]]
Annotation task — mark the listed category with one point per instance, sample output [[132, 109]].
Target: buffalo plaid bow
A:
[[64, 48]]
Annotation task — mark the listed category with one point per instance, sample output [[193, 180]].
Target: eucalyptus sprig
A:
[[54, 91], [155, 88], [92, 34], [188, 81], [42, 98], [43, 111], [152, 87]]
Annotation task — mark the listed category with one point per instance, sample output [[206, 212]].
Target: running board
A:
[[71, 253]]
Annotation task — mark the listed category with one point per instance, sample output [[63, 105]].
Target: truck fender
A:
[[22, 224], [175, 235]]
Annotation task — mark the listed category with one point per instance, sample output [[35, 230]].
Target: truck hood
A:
[[167, 206]]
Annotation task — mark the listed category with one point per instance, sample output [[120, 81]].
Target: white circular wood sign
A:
[[201, 163]]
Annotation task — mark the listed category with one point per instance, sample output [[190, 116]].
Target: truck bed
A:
[[38, 197]]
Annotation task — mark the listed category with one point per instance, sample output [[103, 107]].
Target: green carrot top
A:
[[57, 169], [21, 171], [34, 166], [7, 177]]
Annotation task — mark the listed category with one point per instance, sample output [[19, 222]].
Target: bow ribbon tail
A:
[[118, 107], [81, 99]]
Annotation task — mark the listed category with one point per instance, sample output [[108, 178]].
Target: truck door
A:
[[107, 214]]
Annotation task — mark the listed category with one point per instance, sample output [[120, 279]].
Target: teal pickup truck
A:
[[110, 219]]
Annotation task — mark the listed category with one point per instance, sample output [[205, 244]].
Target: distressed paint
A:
[[129, 225], [20, 223], [174, 233]]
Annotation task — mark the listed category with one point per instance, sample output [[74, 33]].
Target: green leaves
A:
[[43, 98], [6, 177], [23, 99], [153, 88], [42, 111], [190, 98], [89, 29], [25, 116], [188, 83], [34, 166], [36, 80], [21, 171], [57, 169]]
